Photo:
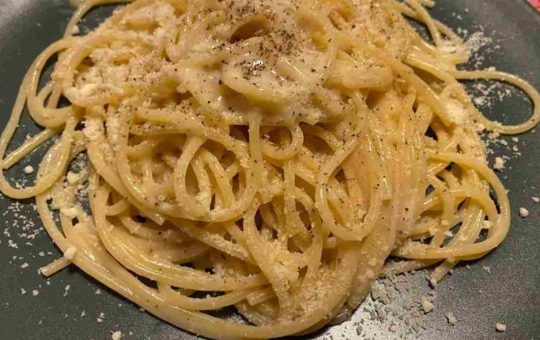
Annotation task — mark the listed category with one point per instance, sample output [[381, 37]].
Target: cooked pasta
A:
[[270, 155]]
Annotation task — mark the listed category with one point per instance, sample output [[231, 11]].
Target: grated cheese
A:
[[499, 163], [523, 212], [457, 112], [28, 169], [427, 305], [500, 327], [451, 318]]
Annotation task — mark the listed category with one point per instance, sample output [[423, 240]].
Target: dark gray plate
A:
[[69, 304]]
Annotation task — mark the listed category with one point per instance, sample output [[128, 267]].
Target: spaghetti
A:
[[267, 155]]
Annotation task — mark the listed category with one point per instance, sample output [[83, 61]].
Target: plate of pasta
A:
[[266, 169]]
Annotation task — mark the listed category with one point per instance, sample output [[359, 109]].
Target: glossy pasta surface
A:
[[267, 155]]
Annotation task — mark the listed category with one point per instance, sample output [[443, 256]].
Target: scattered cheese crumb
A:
[[493, 135], [35, 292], [427, 306], [378, 293], [24, 265], [499, 163], [100, 317], [91, 129], [66, 290], [116, 335], [451, 318], [523, 212], [500, 327], [480, 101], [487, 269], [536, 199], [28, 169], [456, 112], [70, 253]]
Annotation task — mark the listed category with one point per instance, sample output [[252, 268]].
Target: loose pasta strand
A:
[[271, 161]]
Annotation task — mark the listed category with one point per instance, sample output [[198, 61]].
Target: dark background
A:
[[510, 294]]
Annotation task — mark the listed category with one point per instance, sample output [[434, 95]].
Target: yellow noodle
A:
[[269, 155]]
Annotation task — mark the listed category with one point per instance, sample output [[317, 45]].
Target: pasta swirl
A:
[[267, 155]]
